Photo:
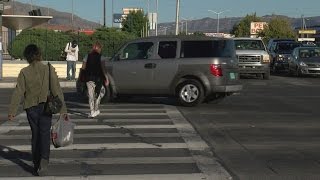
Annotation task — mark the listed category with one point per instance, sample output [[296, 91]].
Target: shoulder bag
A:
[[53, 104]]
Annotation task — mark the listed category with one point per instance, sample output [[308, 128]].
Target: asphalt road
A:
[[269, 131]]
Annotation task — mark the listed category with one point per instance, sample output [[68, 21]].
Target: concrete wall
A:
[[12, 68]]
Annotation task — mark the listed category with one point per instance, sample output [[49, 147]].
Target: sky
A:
[[189, 9]]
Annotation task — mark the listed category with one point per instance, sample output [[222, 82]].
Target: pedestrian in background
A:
[[96, 78], [33, 87], [72, 51]]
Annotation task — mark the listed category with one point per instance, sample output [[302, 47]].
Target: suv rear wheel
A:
[[190, 93]]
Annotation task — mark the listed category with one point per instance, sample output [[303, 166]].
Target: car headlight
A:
[[302, 64], [266, 58], [280, 56]]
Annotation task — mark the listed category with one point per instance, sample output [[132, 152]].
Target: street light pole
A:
[[112, 4], [104, 13], [157, 9], [177, 16], [72, 24], [218, 15]]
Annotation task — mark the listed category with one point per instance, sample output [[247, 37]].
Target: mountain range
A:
[[207, 24]]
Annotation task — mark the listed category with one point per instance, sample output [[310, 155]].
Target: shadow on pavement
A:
[[17, 157]]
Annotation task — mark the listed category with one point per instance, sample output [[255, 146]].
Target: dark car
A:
[[280, 54], [305, 61], [193, 69]]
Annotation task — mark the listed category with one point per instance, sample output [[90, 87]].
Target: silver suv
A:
[[253, 57], [192, 68]]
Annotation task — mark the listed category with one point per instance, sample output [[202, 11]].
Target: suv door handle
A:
[[150, 66]]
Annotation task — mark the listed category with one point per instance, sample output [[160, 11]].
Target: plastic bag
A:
[[62, 132]]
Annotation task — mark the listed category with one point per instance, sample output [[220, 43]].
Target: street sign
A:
[[306, 39], [117, 18], [307, 31], [256, 27], [152, 17]]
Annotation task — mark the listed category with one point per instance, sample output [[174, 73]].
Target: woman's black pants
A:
[[40, 124]]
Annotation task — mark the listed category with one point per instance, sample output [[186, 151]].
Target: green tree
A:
[[53, 43], [277, 28], [198, 33], [243, 28], [111, 39], [135, 22]]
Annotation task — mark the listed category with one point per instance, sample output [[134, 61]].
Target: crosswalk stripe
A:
[[92, 135], [102, 146], [81, 127], [120, 120], [194, 176], [104, 161], [122, 110], [141, 118]]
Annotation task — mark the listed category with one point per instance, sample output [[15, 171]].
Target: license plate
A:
[[232, 76]]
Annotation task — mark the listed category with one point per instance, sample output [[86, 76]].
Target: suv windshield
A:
[[286, 47], [209, 48], [249, 45]]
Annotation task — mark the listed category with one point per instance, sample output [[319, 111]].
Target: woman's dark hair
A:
[[32, 53]]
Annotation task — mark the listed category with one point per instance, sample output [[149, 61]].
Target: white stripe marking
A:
[[105, 161], [82, 127], [194, 176], [101, 135], [105, 146]]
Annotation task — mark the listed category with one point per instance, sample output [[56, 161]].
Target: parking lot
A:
[[268, 131]]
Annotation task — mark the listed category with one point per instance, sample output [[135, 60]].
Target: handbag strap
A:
[[49, 78]]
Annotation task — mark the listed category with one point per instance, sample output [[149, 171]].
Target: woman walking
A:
[[32, 86], [96, 77]]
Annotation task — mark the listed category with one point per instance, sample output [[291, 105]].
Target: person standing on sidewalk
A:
[[96, 78], [72, 51], [32, 86]]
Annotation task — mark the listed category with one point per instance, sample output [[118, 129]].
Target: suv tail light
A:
[[216, 70]]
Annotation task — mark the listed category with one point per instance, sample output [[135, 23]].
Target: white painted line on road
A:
[[106, 161], [116, 110], [98, 135], [118, 105], [194, 176], [120, 120], [103, 146], [82, 127]]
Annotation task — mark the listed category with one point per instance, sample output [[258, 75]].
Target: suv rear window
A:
[[209, 48]]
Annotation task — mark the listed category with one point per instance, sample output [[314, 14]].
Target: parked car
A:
[[280, 54], [191, 68], [253, 57], [305, 61]]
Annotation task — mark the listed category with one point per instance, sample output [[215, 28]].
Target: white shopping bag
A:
[[62, 132]]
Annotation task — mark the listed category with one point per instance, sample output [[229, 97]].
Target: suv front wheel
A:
[[190, 93]]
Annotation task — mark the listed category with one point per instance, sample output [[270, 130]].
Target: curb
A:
[[63, 84]]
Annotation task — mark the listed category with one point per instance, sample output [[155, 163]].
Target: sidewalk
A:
[[10, 82]]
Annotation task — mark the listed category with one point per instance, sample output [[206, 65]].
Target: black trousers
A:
[[40, 124]]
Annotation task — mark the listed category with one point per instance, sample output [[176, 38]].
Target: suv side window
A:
[[210, 48], [140, 50], [167, 49]]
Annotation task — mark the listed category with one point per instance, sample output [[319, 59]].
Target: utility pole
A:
[[177, 16], [112, 7], [157, 9], [1, 50], [104, 13], [72, 24]]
